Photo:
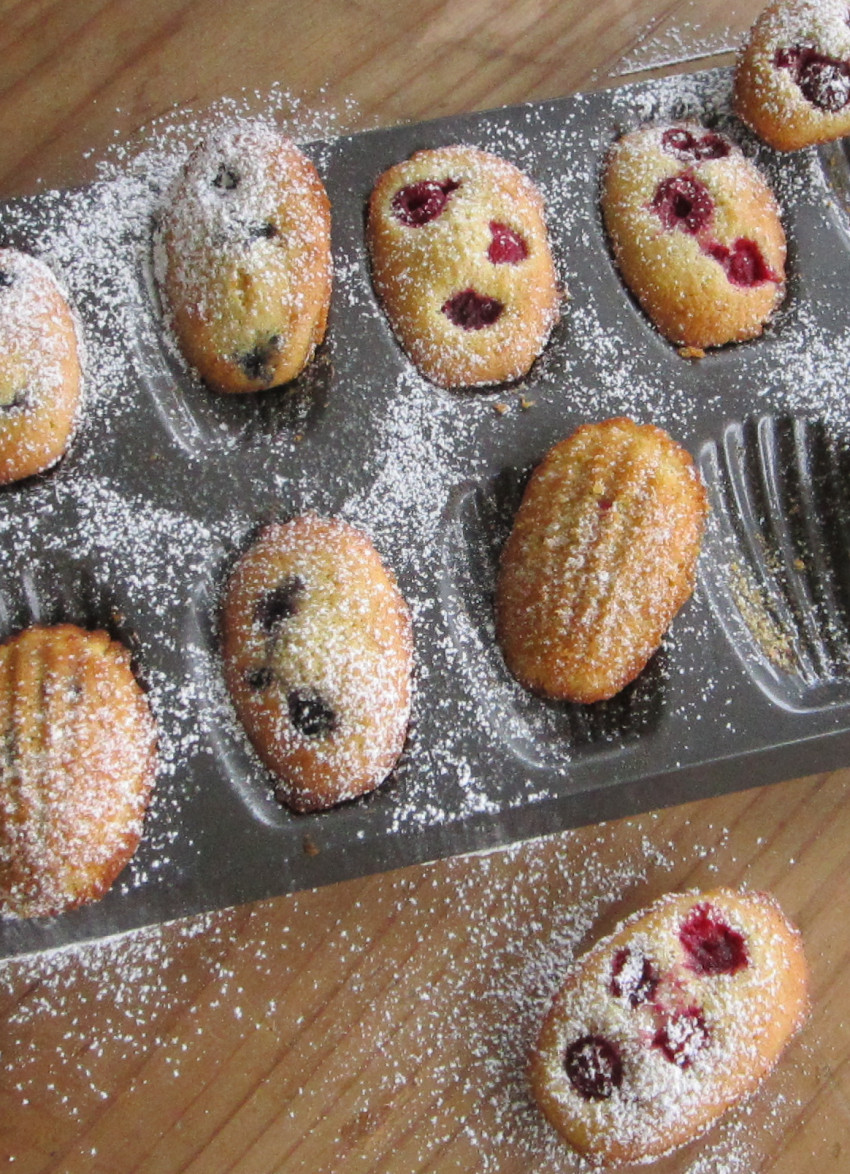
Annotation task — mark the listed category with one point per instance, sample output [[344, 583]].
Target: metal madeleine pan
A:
[[166, 482]]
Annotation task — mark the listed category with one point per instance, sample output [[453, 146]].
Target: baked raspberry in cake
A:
[[792, 78], [662, 1026], [317, 657], [40, 377], [601, 556], [462, 264], [247, 259], [696, 233], [78, 763]]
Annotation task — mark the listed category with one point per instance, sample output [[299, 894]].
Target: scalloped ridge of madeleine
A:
[[601, 556], [696, 233], [77, 768], [317, 644], [462, 265], [247, 258], [669, 1021]]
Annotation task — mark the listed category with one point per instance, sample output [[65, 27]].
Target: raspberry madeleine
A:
[[77, 770], [665, 1024], [247, 274], [40, 378], [601, 556], [317, 658], [792, 79], [696, 234], [462, 265]]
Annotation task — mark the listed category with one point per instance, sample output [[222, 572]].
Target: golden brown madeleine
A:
[[676, 1016], [40, 379], [462, 265], [317, 656], [77, 769], [696, 233], [248, 259], [792, 79], [601, 556]]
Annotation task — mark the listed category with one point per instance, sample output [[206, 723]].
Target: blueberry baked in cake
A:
[[40, 376], [696, 233], [792, 78], [662, 1026], [601, 556], [77, 767], [317, 651], [462, 264], [246, 274]]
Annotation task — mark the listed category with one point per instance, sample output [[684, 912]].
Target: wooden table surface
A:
[[381, 1025]]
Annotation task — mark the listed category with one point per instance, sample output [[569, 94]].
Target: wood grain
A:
[[381, 1025]]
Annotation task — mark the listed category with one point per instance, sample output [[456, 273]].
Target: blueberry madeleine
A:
[[40, 376], [246, 273], [317, 657]]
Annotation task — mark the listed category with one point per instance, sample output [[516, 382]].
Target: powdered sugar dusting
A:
[[481, 320], [165, 484], [690, 38], [246, 278], [728, 991], [525, 914], [77, 767], [40, 381], [144, 517], [317, 650]]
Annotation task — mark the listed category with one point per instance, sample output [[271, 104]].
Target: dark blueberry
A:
[[712, 946], [311, 714], [417, 203], [507, 246], [633, 976], [279, 604], [6, 278], [744, 262], [682, 1036], [262, 230], [259, 679], [824, 81], [20, 399], [683, 202], [472, 310], [692, 148], [226, 178], [259, 363], [594, 1067]]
